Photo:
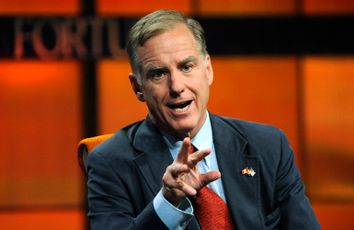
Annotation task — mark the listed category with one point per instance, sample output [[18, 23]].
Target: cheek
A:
[[153, 97], [202, 87], [203, 95]]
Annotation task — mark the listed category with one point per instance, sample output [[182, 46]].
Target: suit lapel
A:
[[241, 191], [154, 157]]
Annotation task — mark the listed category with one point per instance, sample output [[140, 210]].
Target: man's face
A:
[[175, 80]]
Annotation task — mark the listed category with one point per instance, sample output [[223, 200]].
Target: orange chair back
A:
[[86, 146]]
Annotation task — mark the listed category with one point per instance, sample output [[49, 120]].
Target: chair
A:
[[86, 146]]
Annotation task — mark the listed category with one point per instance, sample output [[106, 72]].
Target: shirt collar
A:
[[202, 140]]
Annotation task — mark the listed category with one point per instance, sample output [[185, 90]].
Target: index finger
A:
[[184, 151]]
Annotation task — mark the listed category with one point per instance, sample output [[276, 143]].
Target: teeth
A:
[[181, 109]]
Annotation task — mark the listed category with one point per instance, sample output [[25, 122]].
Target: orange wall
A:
[[242, 7], [138, 7], [329, 116], [315, 7], [117, 103], [39, 7], [43, 220], [260, 89], [41, 186]]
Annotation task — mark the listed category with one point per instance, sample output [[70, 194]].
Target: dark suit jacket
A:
[[125, 172]]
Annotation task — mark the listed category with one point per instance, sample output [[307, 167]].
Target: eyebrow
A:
[[151, 68], [188, 59]]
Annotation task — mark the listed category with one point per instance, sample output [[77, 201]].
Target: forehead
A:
[[176, 28], [177, 43]]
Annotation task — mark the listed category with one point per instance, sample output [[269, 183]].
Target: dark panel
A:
[[89, 80], [280, 35], [225, 36], [7, 37]]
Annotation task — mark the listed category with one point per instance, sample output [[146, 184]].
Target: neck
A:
[[180, 134]]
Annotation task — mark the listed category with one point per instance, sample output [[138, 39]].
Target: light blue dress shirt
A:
[[177, 217]]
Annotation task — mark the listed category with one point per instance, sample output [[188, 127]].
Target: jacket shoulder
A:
[[119, 145], [251, 131]]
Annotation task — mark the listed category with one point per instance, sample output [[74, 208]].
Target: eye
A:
[[156, 74], [187, 68]]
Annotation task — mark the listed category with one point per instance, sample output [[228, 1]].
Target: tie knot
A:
[[192, 149]]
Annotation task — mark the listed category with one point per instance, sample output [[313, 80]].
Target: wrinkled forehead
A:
[[178, 34]]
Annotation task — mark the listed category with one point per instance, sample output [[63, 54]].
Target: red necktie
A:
[[211, 210]]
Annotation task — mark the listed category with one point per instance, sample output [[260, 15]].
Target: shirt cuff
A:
[[171, 216]]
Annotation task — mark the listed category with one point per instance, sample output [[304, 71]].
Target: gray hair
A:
[[156, 23]]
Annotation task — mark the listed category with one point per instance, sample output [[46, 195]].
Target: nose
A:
[[176, 84]]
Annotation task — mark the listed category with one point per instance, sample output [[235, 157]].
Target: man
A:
[[148, 177]]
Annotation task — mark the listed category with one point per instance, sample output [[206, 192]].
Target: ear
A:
[[209, 69], [136, 87]]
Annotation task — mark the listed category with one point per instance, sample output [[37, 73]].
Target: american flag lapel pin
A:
[[248, 171]]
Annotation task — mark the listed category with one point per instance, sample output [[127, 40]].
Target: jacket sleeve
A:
[[295, 209], [109, 204]]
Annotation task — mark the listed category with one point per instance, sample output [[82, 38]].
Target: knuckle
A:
[[164, 180], [179, 184]]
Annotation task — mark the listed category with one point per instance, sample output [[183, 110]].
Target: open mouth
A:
[[180, 107]]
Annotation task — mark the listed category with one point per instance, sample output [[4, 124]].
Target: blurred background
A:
[[63, 77]]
